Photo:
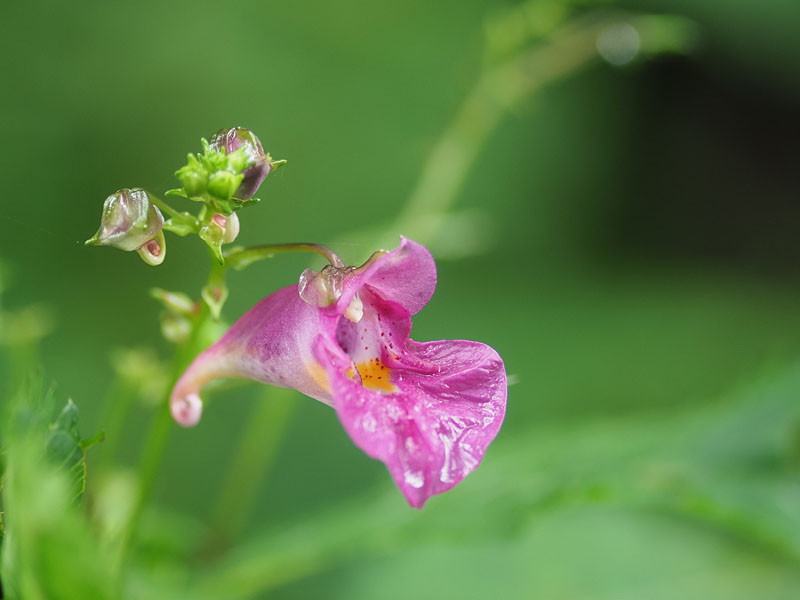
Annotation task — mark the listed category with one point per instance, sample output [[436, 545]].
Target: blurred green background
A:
[[625, 238]]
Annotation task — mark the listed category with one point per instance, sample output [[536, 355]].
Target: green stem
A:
[[118, 403], [155, 445], [242, 257], [170, 211], [215, 292], [499, 89]]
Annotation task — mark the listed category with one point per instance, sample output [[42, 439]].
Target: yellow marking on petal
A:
[[319, 375], [376, 376]]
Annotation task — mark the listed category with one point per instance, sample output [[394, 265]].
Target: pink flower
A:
[[427, 410]]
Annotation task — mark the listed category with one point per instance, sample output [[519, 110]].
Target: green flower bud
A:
[[194, 181], [223, 184], [129, 221], [175, 328], [229, 226]]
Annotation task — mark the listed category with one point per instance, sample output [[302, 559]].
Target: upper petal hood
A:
[[406, 275]]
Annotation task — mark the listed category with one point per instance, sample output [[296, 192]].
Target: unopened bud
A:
[[129, 221], [175, 327], [229, 226], [195, 181], [223, 184], [232, 229], [238, 138]]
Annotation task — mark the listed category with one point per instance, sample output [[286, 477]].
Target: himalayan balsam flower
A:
[[427, 410]]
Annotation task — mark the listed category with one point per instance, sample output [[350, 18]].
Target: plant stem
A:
[[155, 445], [169, 210], [242, 257], [499, 88], [118, 403]]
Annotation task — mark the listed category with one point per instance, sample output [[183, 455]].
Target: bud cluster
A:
[[229, 171], [212, 177], [223, 178]]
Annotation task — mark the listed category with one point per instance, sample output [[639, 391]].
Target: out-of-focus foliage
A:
[[49, 550], [693, 504]]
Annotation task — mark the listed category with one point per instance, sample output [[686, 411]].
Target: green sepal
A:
[[274, 165], [212, 178], [180, 192], [181, 229], [226, 207], [212, 234], [222, 184], [94, 240], [247, 202]]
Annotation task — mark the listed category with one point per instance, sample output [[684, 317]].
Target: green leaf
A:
[[65, 448], [98, 437], [49, 550]]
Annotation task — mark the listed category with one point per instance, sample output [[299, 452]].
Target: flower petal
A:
[[406, 274], [442, 405], [271, 343]]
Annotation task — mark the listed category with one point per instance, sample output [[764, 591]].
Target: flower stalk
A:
[[239, 258]]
